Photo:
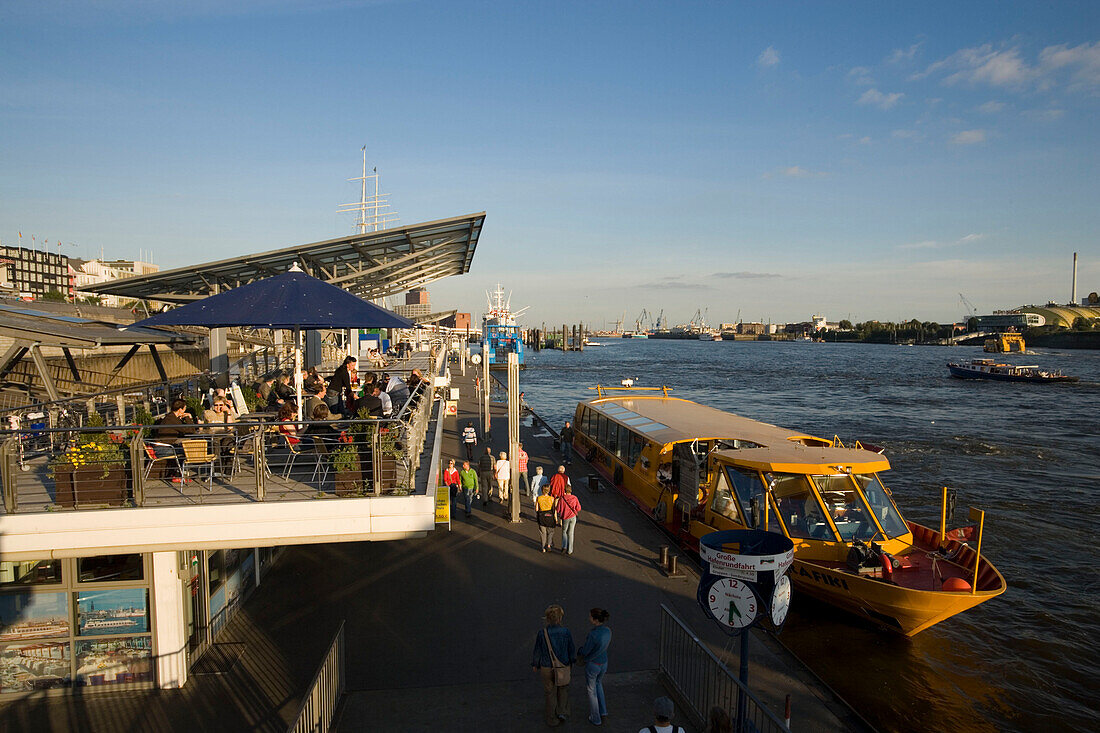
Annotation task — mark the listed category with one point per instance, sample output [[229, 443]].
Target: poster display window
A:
[[112, 611], [35, 666], [116, 661]]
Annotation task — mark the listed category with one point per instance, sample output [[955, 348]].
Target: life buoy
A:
[[887, 566], [659, 511], [618, 475]]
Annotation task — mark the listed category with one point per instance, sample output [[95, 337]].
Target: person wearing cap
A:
[[662, 718]]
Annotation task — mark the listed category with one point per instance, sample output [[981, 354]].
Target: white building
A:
[[91, 272]]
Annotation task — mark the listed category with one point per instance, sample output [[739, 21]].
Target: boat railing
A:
[[700, 681]]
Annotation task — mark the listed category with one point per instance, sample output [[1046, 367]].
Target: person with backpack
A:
[[663, 708], [547, 518], [568, 507]]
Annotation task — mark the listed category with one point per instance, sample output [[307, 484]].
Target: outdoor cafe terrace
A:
[[373, 480]]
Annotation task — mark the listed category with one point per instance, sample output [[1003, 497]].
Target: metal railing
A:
[[318, 710], [701, 681]]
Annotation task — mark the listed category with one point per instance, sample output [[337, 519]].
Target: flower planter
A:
[[350, 481], [75, 485]]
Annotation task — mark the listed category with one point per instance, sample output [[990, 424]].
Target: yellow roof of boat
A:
[[673, 419], [798, 458]]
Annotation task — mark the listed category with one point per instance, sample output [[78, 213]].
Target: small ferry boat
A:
[[697, 470], [990, 369], [1005, 343], [500, 334]]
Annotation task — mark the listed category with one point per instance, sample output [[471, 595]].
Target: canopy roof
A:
[[26, 323], [291, 300], [372, 264]]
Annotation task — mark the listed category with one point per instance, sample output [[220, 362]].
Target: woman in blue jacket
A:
[[594, 655]]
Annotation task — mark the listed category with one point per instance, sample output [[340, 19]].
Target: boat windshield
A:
[[797, 506], [746, 486], [887, 514], [849, 512]]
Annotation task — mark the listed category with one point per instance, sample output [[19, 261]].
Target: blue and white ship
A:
[[500, 335]]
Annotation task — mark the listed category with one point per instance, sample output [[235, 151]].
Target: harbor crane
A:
[[643, 319]]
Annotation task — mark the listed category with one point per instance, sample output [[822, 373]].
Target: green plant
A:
[[194, 405], [92, 448], [142, 417], [345, 458]]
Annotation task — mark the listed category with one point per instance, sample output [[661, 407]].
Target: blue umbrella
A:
[[293, 300]]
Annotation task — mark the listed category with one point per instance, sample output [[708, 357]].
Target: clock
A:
[[781, 600], [476, 358], [732, 603]]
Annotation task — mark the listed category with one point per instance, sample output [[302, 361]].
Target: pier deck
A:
[[439, 630]]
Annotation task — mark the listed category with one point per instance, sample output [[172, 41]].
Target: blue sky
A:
[[859, 159]]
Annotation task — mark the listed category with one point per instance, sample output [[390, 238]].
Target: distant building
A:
[[91, 272], [459, 321], [417, 304], [31, 273], [754, 329]]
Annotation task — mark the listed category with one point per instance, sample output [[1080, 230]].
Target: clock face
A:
[[732, 603], [781, 600]]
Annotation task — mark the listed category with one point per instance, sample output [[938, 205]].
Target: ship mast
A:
[[376, 204]]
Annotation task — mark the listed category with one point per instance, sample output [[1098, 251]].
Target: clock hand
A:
[[733, 610]]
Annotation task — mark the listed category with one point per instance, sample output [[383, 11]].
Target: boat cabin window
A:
[[798, 507], [740, 486], [614, 445], [849, 513], [882, 505], [635, 449]]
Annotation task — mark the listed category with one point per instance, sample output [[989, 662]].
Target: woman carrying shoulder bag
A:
[[553, 657], [547, 518]]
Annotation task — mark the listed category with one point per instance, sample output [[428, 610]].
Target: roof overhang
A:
[[371, 265]]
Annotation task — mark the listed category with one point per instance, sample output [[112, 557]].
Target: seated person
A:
[[321, 398], [287, 427], [372, 402], [175, 425], [375, 358], [281, 392], [312, 382], [263, 389], [219, 412]]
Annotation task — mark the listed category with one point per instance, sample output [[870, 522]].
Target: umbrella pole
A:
[[298, 368]]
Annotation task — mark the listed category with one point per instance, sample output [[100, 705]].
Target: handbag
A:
[[562, 674], [546, 518]]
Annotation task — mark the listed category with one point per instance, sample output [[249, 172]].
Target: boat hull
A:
[[964, 373]]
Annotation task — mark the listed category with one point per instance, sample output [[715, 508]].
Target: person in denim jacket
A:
[[557, 698]]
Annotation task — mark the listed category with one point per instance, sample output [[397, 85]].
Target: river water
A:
[[1027, 454]]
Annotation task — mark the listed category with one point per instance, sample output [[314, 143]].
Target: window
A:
[[746, 485], [30, 572], [601, 431], [798, 508], [614, 445], [882, 505], [636, 445], [110, 568], [848, 511]]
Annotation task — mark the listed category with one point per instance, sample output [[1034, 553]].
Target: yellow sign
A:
[[452, 408], [442, 505]]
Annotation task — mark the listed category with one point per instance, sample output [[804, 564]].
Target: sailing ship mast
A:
[[376, 204]]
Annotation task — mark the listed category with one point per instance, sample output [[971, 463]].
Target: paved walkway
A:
[[440, 630]]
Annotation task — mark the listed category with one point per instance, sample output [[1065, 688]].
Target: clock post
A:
[[745, 570]]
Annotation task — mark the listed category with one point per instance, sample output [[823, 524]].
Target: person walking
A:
[[502, 469], [537, 482], [554, 648], [521, 465], [546, 517], [593, 654], [468, 477], [451, 479], [567, 443], [568, 507], [485, 466], [469, 440], [663, 709], [558, 482]]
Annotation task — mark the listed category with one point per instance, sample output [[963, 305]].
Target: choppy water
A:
[[1027, 454]]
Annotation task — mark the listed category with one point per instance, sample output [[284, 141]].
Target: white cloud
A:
[[991, 107], [935, 244], [1045, 115], [875, 98], [904, 55], [861, 75], [796, 171], [969, 137], [1078, 68], [768, 58]]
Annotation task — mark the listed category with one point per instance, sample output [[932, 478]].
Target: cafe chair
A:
[[197, 453]]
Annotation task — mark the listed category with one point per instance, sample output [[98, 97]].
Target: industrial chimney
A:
[[1073, 293]]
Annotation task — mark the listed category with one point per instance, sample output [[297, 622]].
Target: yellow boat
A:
[[1006, 343], [698, 470]]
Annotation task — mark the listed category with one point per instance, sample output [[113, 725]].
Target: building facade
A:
[[32, 273]]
